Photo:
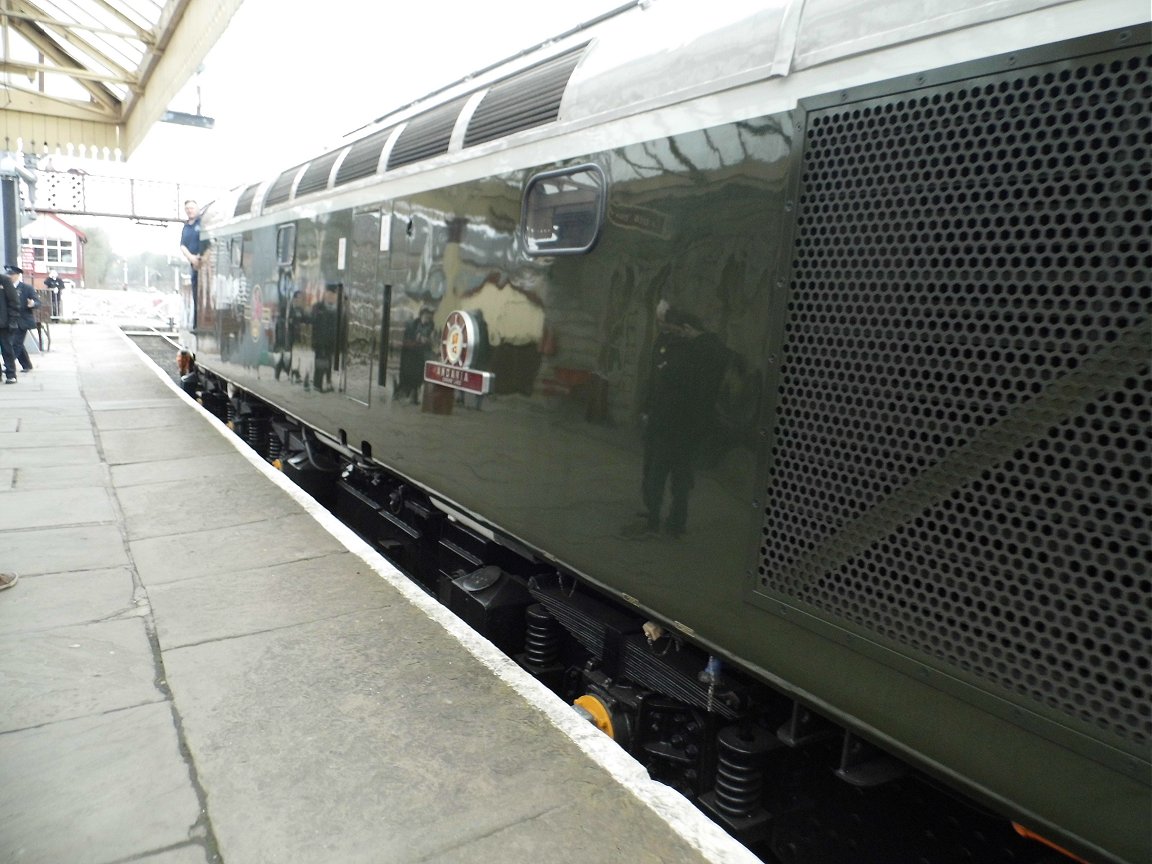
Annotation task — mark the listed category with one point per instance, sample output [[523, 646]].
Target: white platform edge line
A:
[[673, 808]]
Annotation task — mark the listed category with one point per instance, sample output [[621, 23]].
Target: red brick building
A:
[[50, 243]]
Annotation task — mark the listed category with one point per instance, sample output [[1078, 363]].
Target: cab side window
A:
[[285, 245], [563, 211]]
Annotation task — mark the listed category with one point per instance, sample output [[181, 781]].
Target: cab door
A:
[[363, 303]]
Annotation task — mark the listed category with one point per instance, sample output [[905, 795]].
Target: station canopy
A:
[[90, 77]]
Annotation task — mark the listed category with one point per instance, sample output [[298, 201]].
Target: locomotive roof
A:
[[640, 56]]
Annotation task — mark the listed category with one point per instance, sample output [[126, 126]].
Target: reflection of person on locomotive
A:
[[415, 349], [286, 333], [687, 366], [325, 334]]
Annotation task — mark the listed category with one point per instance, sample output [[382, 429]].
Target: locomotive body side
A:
[[884, 343]]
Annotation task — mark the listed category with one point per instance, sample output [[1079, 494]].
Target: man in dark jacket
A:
[[9, 326], [29, 302], [55, 284]]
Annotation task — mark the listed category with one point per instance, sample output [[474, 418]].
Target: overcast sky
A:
[[287, 81]]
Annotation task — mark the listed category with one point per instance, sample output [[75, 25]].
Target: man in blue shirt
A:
[[190, 249]]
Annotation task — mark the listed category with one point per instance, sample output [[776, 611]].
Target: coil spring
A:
[[275, 446], [740, 770], [256, 433], [542, 637]]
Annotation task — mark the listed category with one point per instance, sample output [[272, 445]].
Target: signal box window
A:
[[285, 245], [52, 251], [563, 211]]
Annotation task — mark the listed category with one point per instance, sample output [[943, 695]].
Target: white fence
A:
[[123, 308]]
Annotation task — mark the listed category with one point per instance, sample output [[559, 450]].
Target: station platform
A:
[[199, 664]]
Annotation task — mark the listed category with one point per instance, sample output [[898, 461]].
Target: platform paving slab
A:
[[155, 414], [123, 446], [204, 552], [581, 827], [43, 457], [33, 421], [57, 550], [188, 853], [76, 671], [62, 398], [161, 509], [50, 438], [123, 403], [69, 598], [189, 469], [44, 508], [232, 603], [96, 789], [104, 386], [59, 477]]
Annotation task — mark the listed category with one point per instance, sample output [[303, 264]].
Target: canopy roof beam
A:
[[103, 69]]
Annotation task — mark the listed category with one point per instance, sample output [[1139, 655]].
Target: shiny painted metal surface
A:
[[698, 230], [571, 344]]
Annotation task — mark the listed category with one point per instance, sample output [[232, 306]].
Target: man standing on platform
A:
[[9, 326], [55, 284], [27, 321]]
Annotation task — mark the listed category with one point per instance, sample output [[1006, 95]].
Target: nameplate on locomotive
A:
[[459, 346], [458, 378]]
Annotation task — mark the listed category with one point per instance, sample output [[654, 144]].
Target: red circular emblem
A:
[[457, 339]]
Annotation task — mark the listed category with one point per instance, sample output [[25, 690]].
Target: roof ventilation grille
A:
[[527, 99], [426, 135], [316, 177], [244, 202], [280, 190], [364, 157]]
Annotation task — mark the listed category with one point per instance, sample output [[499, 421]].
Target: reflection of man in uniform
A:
[[286, 331], [325, 323], [687, 367], [416, 348]]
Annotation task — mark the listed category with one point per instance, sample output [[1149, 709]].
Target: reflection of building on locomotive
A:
[[812, 453]]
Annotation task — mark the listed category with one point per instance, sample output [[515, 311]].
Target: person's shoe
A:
[[11, 380], [7, 580]]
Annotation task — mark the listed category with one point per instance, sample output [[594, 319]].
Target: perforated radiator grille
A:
[[961, 458]]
